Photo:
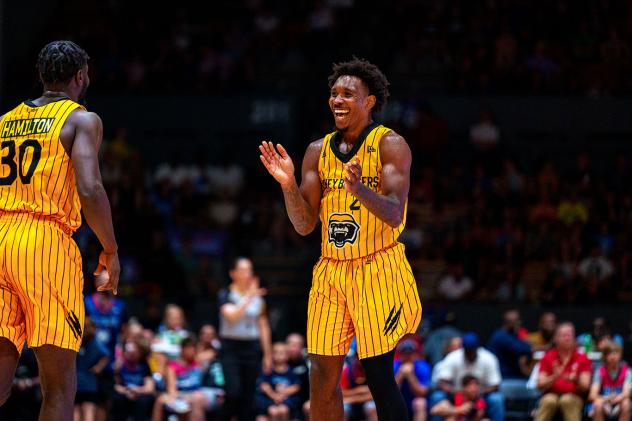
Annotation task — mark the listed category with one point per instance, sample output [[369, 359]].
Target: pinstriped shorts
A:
[[41, 283], [373, 298]]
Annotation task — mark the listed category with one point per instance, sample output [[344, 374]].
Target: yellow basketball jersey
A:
[[349, 230], [36, 173]]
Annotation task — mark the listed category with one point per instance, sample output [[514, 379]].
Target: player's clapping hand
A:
[[353, 175], [277, 162], [107, 272]]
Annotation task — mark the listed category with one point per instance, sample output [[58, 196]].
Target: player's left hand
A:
[[352, 175], [109, 282]]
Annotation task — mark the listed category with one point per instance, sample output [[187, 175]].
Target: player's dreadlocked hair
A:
[[368, 73], [59, 61]]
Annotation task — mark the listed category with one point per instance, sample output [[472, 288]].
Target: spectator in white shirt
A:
[[476, 361]]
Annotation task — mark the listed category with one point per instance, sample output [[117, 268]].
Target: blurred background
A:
[[518, 112]]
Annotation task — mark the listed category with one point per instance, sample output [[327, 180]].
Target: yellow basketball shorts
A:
[[373, 298], [41, 283]]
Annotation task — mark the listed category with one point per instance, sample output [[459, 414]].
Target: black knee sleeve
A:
[[389, 402]]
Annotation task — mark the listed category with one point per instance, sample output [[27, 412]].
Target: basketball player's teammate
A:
[[357, 180], [49, 171]]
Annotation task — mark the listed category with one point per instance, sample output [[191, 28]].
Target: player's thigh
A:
[[390, 305], [57, 369], [8, 362], [329, 325], [324, 374]]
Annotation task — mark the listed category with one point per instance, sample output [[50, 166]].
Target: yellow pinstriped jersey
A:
[[349, 230], [36, 173]]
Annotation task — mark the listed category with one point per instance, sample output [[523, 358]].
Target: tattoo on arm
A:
[[302, 203], [298, 210]]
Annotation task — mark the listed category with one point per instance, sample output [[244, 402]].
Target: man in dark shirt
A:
[[512, 352]]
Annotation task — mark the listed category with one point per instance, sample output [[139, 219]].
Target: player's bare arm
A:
[[302, 202], [88, 134], [396, 159]]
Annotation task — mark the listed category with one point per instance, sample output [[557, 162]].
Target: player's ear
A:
[[370, 101]]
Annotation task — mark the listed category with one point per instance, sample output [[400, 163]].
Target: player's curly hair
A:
[[368, 73], [59, 61]]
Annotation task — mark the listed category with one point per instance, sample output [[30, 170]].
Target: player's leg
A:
[[325, 395], [8, 362], [45, 267], [388, 399], [58, 378], [12, 323], [329, 334], [389, 308]]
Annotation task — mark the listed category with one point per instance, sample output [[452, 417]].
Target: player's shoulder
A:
[[392, 138], [316, 144], [393, 146], [83, 118], [313, 150]]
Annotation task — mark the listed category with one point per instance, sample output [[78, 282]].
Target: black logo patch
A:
[[342, 229], [75, 326]]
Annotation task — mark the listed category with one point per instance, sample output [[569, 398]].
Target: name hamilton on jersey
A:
[[26, 127]]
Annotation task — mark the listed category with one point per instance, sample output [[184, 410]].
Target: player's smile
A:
[[345, 100], [341, 116]]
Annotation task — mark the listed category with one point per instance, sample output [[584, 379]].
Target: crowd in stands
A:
[[455, 45], [126, 371], [492, 226]]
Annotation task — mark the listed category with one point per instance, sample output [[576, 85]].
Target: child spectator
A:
[[610, 390], [277, 393], [298, 363], [412, 375], [183, 382], [92, 359], [171, 332], [467, 406], [134, 386], [213, 380]]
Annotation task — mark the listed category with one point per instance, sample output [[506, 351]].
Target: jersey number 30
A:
[[17, 168]]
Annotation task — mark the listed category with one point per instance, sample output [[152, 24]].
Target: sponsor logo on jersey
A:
[[342, 229]]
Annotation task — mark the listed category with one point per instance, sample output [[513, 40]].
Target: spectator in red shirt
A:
[[564, 377], [468, 404]]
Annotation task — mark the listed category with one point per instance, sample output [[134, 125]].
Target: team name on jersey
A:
[[26, 127], [338, 183]]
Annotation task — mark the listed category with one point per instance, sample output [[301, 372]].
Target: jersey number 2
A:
[[17, 168]]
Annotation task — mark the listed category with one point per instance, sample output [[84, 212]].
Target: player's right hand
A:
[[277, 162], [109, 262]]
